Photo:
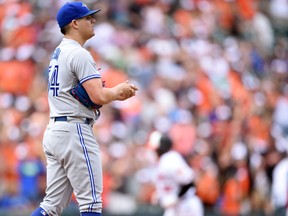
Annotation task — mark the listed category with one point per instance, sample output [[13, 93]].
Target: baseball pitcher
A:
[[75, 94]]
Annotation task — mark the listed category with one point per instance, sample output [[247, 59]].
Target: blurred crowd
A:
[[213, 74]]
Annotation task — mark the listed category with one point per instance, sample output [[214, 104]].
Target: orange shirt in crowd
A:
[[183, 18], [239, 93], [247, 8], [16, 77], [231, 198], [259, 127], [235, 190], [208, 188], [209, 97]]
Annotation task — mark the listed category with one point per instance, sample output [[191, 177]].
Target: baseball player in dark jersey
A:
[[75, 94]]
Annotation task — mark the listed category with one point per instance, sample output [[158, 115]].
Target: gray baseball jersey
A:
[[70, 63], [73, 154]]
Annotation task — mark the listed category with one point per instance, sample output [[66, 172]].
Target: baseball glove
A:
[[80, 94]]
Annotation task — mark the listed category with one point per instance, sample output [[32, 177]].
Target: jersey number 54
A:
[[53, 84]]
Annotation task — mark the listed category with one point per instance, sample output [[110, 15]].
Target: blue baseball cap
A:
[[71, 11]]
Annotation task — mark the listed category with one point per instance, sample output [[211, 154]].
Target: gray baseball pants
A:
[[73, 165]]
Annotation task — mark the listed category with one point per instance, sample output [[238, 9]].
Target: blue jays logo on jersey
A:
[[43, 212]]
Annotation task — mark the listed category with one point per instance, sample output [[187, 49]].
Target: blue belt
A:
[[65, 119]]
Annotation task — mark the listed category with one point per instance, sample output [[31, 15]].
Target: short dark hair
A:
[[64, 29], [165, 145]]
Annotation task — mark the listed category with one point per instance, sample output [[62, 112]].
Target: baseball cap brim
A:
[[90, 13]]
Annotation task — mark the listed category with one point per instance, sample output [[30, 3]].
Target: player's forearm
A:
[[104, 96], [99, 94], [122, 91]]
